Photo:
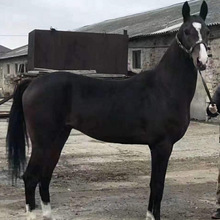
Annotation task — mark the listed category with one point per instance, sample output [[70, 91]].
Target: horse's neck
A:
[[176, 69], [176, 59]]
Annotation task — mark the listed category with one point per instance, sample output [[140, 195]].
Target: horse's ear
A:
[[204, 10], [185, 11]]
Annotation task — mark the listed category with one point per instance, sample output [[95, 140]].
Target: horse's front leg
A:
[[160, 154]]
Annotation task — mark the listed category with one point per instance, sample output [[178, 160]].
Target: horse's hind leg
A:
[[51, 157], [31, 178], [44, 157]]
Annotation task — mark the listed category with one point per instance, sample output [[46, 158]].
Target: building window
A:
[[136, 59], [16, 68], [26, 67], [21, 68], [8, 68]]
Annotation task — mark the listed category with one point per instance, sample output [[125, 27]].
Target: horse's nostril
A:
[[200, 65]]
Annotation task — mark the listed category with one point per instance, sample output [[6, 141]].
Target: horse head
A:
[[193, 35]]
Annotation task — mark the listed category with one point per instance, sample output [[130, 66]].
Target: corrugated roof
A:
[[164, 32], [21, 51], [156, 21], [3, 49], [159, 21]]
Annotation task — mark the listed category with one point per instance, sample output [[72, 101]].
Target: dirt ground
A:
[[102, 181]]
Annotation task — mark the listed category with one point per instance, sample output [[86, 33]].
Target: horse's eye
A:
[[186, 32]]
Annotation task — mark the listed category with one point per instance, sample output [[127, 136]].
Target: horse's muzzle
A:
[[200, 65]]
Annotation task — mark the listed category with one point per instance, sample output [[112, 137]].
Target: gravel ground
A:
[[101, 181]]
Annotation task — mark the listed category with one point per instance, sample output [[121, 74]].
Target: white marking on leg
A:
[[30, 214], [149, 216], [46, 209]]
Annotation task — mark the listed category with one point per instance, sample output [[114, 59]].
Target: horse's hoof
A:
[[149, 216], [48, 218], [216, 215], [31, 216]]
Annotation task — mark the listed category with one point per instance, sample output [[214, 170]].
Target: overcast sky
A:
[[19, 17]]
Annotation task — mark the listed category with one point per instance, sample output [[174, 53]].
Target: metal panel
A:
[[60, 50]]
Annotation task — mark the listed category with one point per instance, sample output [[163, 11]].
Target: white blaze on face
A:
[[198, 27], [202, 56]]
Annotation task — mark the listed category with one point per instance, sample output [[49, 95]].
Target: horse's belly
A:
[[118, 138], [112, 131]]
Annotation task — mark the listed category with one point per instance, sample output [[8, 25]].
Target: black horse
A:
[[150, 108]]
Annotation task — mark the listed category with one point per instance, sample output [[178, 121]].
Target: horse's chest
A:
[[177, 127], [164, 126]]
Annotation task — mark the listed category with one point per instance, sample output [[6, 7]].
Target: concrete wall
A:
[[7, 79], [153, 48], [211, 75], [199, 102]]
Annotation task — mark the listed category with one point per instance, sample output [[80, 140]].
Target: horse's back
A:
[[114, 111], [67, 88], [108, 110]]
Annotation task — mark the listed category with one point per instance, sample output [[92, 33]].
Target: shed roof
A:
[[3, 50], [155, 21], [20, 51]]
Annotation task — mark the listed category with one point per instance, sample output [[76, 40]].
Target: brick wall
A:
[[6, 79]]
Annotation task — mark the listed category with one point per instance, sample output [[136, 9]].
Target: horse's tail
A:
[[16, 135]]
